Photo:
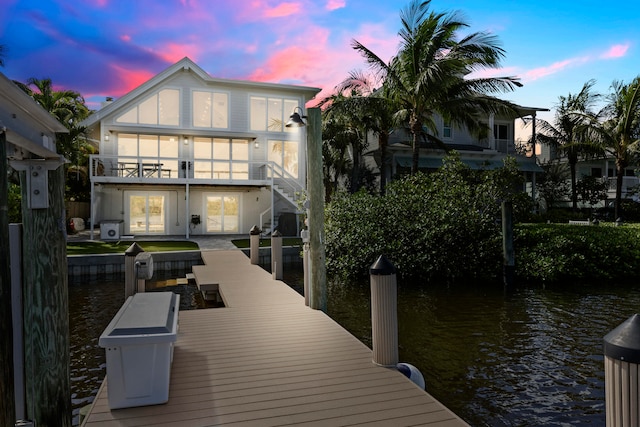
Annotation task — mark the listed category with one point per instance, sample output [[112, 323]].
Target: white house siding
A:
[[111, 203], [112, 186]]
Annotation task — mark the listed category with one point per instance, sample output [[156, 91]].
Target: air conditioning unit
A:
[[111, 230]]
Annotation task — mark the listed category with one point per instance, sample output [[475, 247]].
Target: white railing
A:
[[138, 168], [628, 183]]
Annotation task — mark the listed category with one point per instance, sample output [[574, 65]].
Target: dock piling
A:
[[254, 240], [621, 374], [384, 312], [276, 255]]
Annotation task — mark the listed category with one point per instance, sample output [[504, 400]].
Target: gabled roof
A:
[[186, 64]]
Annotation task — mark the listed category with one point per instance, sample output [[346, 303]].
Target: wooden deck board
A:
[[260, 363]]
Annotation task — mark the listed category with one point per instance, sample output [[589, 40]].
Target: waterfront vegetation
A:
[[446, 227]]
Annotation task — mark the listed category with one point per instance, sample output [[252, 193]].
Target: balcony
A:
[[629, 185], [165, 170]]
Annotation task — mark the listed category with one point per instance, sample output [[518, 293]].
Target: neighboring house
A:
[[604, 168], [185, 153], [485, 153]]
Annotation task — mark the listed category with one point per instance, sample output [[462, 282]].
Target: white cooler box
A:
[[139, 345]]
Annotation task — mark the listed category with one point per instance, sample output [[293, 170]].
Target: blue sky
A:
[[105, 48]]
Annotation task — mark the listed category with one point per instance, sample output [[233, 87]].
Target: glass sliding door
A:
[[222, 213], [146, 213]]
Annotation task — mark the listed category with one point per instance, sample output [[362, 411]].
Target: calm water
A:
[[527, 359]]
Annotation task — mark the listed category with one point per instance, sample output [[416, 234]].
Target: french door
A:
[[222, 212], [146, 213]]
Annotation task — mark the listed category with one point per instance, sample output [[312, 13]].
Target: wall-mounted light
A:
[[186, 141], [296, 120], [256, 144], [106, 137]]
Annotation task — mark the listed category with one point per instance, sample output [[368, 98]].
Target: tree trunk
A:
[[574, 193], [618, 202], [7, 401], [46, 307], [383, 142]]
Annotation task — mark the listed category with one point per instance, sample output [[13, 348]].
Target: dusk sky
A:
[[106, 48]]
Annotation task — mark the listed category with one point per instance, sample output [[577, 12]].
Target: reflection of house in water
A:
[[185, 153]]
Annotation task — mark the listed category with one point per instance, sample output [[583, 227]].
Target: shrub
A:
[[444, 225]]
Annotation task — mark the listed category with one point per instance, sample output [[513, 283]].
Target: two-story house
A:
[[186, 153], [603, 168], [477, 153]]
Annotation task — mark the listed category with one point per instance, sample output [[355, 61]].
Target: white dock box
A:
[[139, 345]]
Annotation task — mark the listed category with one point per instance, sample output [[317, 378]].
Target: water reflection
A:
[[530, 358]]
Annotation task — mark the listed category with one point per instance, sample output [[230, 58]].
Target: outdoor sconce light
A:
[[186, 141], [106, 137], [295, 120], [256, 144]]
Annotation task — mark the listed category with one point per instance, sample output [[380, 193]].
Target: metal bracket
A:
[[37, 179]]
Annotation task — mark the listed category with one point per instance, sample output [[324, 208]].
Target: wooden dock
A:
[[266, 359]]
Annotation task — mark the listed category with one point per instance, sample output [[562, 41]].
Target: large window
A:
[[221, 158], [148, 155], [146, 213], [222, 213], [285, 155], [162, 108], [270, 114], [210, 109]]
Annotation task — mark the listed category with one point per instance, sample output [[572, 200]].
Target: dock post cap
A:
[[276, 234], [382, 267], [133, 250], [623, 343], [254, 230]]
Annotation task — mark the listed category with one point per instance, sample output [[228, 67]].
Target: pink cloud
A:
[[130, 79], [282, 10], [335, 4], [173, 52], [616, 51], [125, 38], [554, 68]]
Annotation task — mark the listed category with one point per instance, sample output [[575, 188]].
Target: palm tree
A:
[[562, 134], [69, 108], [616, 129], [430, 72], [361, 102]]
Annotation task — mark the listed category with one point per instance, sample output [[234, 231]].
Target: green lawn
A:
[[266, 243], [86, 248]]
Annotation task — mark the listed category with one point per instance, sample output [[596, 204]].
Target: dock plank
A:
[[266, 359]]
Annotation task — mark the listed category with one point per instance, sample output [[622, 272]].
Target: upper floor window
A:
[[270, 114], [501, 131], [210, 109], [162, 108], [447, 132]]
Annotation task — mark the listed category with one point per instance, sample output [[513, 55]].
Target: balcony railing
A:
[[629, 184], [106, 168]]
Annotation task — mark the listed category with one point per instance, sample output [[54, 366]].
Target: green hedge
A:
[[562, 252], [440, 226], [446, 227]]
